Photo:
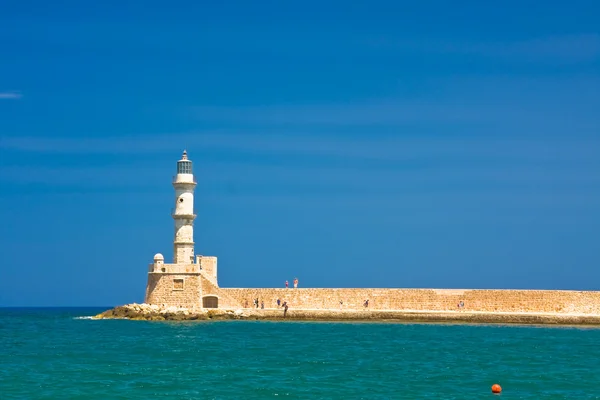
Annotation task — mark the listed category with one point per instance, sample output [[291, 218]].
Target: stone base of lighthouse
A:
[[192, 285]]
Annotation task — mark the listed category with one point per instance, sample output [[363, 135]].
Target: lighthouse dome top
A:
[[184, 166], [158, 257]]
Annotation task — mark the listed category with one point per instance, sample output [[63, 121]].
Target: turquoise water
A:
[[49, 354]]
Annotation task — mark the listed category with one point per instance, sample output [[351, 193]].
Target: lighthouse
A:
[[191, 280], [183, 212]]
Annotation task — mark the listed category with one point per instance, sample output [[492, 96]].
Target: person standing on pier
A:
[[295, 283]]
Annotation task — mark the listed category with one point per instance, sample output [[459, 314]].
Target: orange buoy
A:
[[496, 388]]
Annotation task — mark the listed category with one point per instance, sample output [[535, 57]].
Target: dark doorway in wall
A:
[[210, 302]]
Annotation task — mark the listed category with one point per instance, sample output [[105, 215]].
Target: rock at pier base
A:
[[155, 313], [147, 312]]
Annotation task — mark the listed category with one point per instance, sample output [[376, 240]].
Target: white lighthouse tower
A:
[[191, 280], [183, 213]]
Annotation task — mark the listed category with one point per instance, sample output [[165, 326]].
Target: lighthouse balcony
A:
[[182, 179], [182, 214]]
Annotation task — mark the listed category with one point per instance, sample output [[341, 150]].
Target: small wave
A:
[[84, 317]]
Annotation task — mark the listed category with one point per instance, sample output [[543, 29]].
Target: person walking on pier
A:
[[295, 283], [286, 284]]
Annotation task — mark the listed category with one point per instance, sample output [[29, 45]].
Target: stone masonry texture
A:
[[535, 301], [162, 290]]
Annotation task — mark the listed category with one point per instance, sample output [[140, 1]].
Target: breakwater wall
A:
[[479, 300], [156, 313]]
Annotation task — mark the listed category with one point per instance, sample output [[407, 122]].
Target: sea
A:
[[60, 353]]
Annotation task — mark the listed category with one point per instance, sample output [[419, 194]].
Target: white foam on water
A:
[[84, 317]]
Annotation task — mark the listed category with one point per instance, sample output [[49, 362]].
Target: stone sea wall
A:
[[192, 290], [479, 300], [149, 312]]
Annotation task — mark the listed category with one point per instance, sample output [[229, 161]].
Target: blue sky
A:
[[369, 144]]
